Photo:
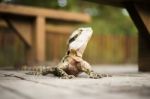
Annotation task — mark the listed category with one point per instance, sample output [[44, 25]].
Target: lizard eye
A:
[[68, 52], [75, 36]]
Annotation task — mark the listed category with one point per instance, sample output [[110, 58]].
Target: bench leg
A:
[[141, 16]]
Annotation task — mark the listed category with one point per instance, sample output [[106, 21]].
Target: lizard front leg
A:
[[85, 67], [60, 70], [62, 74]]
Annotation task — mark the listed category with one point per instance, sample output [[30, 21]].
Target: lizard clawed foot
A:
[[97, 75], [105, 75], [67, 77]]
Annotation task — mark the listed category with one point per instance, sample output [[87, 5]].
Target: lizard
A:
[[72, 64]]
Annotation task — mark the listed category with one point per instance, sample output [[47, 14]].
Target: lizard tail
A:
[[38, 70]]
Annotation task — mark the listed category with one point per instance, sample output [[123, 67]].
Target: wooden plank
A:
[[25, 28], [62, 29], [122, 85], [40, 39], [7, 93], [33, 87], [33, 90], [48, 13]]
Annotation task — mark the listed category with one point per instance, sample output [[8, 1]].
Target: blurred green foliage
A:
[[109, 20]]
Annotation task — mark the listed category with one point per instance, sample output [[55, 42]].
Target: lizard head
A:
[[78, 40]]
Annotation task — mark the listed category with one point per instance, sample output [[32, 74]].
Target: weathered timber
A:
[[141, 19], [32, 31], [47, 13], [40, 39], [125, 83]]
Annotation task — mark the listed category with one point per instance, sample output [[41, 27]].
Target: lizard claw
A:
[[67, 77], [97, 76], [105, 75]]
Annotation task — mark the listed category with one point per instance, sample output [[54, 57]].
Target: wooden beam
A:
[[23, 36], [3, 24], [144, 13], [62, 29], [48, 13], [24, 29], [140, 18], [40, 39]]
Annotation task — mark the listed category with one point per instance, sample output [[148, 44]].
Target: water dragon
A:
[[72, 64]]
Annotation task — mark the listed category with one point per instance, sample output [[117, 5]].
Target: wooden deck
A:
[[126, 83]]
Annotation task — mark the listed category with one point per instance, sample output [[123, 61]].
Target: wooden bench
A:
[[139, 11]]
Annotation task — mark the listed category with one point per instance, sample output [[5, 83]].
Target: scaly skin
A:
[[69, 67], [72, 63]]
